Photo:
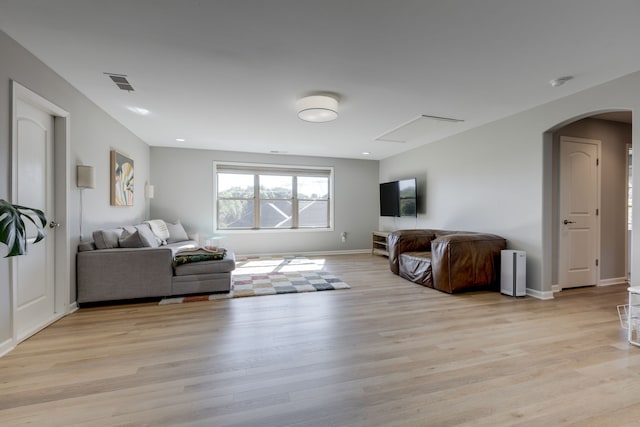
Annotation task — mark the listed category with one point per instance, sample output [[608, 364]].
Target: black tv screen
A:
[[408, 194], [399, 198], [389, 199]]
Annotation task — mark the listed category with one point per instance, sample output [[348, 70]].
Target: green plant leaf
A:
[[12, 227]]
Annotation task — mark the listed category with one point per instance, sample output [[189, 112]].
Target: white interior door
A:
[[34, 273], [579, 210]]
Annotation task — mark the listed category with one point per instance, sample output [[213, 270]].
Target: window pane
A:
[[313, 187], [235, 185], [235, 213], [275, 213], [276, 187], [313, 213]]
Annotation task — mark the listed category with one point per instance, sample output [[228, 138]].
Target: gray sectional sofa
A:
[[134, 262]]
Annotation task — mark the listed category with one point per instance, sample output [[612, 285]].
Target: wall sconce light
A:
[[149, 191], [85, 179]]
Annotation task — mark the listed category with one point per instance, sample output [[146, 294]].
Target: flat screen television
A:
[[389, 199], [399, 198]]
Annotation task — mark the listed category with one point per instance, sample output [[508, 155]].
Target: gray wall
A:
[[183, 180], [497, 177], [93, 135], [614, 137]]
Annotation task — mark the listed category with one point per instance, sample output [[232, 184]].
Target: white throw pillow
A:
[[160, 230]]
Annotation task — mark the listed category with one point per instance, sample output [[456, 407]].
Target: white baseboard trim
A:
[[312, 253], [6, 346], [544, 295], [73, 307], [556, 288], [614, 281], [9, 344]]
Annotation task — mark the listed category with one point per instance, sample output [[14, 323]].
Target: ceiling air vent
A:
[[121, 81]]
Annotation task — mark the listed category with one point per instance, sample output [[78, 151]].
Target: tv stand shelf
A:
[[379, 243]]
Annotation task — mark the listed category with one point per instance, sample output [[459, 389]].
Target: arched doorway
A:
[[613, 130]]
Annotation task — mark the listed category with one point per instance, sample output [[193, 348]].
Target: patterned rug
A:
[[259, 276]]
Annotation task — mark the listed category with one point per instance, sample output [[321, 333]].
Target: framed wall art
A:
[[121, 179]]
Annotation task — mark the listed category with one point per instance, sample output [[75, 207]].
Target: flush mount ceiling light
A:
[[317, 108]]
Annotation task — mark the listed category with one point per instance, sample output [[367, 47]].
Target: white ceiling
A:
[[226, 74]]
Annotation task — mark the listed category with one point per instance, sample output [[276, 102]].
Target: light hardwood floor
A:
[[386, 352]]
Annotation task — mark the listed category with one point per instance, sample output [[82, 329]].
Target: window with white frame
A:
[[259, 197]]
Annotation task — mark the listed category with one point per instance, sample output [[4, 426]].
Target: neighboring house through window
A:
[[259, 197]]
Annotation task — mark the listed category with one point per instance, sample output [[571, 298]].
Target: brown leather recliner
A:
[[450, 261]]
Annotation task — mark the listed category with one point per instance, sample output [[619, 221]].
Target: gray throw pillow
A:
[[176, 233], [147, 236], [131, 240], [107, 239]]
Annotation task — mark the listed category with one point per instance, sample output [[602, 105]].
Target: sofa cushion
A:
[[416, 266], [107, 239], [176, 232], [207, 267], [131, 240]]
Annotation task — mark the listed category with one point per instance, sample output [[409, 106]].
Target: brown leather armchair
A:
[[450, 261]]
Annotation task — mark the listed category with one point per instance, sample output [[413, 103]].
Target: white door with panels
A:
[[579, 212], [34, 273]]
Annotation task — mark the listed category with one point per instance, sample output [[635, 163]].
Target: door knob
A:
[[566, 221], [53, 224]]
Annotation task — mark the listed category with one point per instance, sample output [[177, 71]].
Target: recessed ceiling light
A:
[[560, 81], [366, 153], [139, 110], [180, 139]]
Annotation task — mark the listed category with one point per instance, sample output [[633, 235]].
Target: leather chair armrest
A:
[[407, 241]]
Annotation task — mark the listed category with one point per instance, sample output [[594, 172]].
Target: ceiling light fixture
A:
[[180, 139], [139, 110], [317, 108], [560, 81]]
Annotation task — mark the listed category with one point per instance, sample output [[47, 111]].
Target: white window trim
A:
[[274, 167]]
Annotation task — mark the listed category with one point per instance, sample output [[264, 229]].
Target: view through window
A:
[[261, 197]]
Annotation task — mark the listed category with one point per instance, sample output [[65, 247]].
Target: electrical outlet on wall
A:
[[343, 236]]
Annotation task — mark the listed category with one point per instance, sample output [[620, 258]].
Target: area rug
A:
[[272, 276]]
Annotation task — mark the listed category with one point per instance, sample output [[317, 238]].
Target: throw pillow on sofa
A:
[[131, 240], [107, 239], [176, 232], [146, 235], [159, 229]]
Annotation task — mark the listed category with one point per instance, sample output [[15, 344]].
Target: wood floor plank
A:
[[386, 352]]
